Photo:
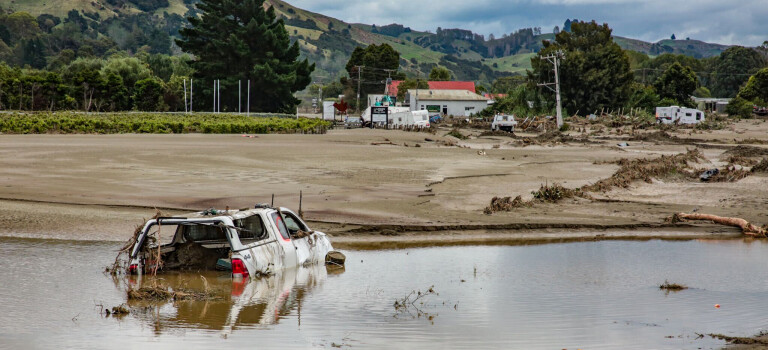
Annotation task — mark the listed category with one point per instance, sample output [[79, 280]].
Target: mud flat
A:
[[368, 188]]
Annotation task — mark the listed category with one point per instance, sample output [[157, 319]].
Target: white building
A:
[[447, 102]]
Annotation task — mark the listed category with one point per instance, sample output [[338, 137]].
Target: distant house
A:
[[493, 97], [438, 85], [447, 102], [716, 105]]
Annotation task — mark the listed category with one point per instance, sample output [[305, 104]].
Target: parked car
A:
[[353, 122], [504, 122], [246, 242]]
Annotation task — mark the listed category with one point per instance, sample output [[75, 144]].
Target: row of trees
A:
[[596, 74], [230, 42], [147, 83]]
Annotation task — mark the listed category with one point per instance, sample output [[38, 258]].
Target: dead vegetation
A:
[[730, 174], [761, 167], [747, 152], [118, 266], [743, 161], [660, 136], [546, 193], [673, 287], [506, 204], [648, 169], [160, 293], [414, 304], [758, 340]]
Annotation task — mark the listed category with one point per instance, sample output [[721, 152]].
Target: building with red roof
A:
[[438, 85]]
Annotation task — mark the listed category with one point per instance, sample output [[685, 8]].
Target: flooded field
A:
[[596, 295]]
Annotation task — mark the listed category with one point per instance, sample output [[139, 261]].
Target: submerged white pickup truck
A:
[[262, 240]]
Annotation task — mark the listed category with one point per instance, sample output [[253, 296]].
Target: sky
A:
[[731, 22]]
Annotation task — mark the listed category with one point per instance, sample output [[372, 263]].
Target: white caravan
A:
[[678, 115], [419, 119]]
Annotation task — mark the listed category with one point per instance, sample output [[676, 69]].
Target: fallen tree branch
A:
[[746, 227]]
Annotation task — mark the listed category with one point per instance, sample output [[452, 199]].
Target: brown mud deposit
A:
[[97, 187]]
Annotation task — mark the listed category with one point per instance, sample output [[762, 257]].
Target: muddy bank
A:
[[98, 187]]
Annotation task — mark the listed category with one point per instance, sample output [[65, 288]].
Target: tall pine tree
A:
[[241, 40]]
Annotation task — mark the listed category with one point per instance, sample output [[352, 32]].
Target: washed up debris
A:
[[414, 303], [505, 204], [335, 258], [623, 144], [730, 174], [708, 174], [747, 151], [761, 167], [674, 287], [457, 134], [746, 227], [646, 170], [546, 193], [159, 293], [758, 340], [117, 311], [743, 161], [659, 137]]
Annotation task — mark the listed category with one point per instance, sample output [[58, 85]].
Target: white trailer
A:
[[678, 115], [419, 119]]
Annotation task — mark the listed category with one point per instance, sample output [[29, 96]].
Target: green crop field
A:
[[155, 123]]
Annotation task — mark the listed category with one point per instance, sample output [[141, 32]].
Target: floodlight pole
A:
[[190, 95], [248, 104], [185, 96], [239, 89]]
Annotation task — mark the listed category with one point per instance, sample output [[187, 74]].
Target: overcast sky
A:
[[734, 22]]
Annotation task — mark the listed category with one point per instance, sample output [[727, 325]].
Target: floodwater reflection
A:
[[229, 304]]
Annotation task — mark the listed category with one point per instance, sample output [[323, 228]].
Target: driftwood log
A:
[[746, 227]]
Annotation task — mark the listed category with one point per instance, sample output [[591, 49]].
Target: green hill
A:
[[105, 26]]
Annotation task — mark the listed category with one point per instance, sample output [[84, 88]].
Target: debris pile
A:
[[159, 293], [730, 174], [505, 204], [761, 167], [647, 169], [546, 193], [675, 287]]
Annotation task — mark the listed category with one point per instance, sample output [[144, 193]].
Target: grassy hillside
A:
[[328, 42]]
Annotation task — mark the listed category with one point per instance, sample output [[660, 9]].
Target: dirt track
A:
[[98, 187]]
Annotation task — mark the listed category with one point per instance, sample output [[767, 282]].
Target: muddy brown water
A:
[[594, 295]]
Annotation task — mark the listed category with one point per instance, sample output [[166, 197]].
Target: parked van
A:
[[678, 115]]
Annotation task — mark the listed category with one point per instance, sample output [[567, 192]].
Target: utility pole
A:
[[185, 96], [359, 77], [554, 59], [248, 104], [190, 95], [214, 96], [239, 89]]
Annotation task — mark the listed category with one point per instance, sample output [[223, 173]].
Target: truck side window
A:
[[280, 225], [253, 228], [293, 223]]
